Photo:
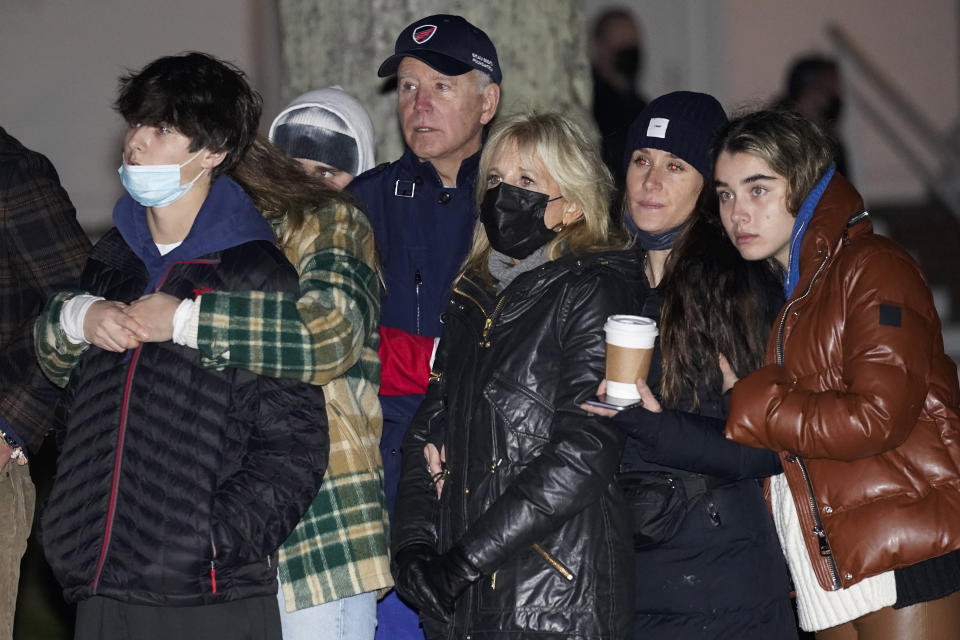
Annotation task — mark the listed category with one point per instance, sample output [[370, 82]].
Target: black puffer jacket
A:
[[175, 483], [531, 498], [722, 576]]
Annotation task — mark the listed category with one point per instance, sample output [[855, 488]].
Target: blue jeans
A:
[[397, 620], [351, 618]]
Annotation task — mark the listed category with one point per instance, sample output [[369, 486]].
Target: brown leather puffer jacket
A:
[[861, 401]]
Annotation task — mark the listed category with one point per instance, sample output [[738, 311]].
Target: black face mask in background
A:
[[832, 110], [513, 220], [627, 61]]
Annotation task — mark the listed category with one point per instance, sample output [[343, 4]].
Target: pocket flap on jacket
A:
[[523, 410]]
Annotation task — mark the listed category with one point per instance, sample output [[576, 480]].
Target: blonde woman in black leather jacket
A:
[[528, 534]]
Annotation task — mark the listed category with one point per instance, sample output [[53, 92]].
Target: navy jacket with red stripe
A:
[[176, 483]]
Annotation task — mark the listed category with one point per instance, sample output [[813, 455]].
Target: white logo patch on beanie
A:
[[657, 127]]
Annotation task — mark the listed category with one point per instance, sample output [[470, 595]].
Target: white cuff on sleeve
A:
[[72, 314], [433, 353], [186, 320]]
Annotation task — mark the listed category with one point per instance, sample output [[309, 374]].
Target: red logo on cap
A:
[[423, 33]]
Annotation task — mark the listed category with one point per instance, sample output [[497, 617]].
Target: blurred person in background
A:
[[616, 60], [815, 91]]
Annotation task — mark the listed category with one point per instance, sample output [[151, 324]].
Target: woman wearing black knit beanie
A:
[[707, 561]]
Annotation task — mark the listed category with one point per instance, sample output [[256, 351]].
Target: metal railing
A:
[[942, 174]]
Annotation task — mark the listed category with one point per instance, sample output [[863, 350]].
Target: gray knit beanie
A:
[[329, 126]]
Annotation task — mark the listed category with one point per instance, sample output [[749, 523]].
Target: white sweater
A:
[[819, 609]]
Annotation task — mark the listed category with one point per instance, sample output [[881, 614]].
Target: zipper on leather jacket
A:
[[786, 310], [825, 551], [496, 460], [485, 338], [553, 562], [469, 297], [489, 317]]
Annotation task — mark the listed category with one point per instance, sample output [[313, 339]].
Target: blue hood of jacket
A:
[[226, 219], [800, 229]]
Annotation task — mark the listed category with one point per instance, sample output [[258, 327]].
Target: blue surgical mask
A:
[[156, 185], [651, 241]]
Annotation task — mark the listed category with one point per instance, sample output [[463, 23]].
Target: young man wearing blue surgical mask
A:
[[177, 480], [157, 177]]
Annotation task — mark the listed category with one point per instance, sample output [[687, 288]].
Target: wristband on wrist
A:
[[17, 454]]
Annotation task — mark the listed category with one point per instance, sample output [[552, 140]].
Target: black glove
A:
[[450, 575], [640, 424], [413, 583]]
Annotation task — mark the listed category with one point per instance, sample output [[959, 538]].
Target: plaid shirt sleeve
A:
[[55, 353], [42, 250], [329, 337], [322, 334]]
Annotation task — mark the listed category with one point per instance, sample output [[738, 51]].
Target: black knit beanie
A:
[[682, 123]]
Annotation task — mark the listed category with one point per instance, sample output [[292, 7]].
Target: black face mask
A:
[[627, 61], [832, 110], [513, 220]]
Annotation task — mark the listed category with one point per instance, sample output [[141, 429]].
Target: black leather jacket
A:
[[530, 498]]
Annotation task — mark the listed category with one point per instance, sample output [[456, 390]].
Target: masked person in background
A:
[[616, 60], [813, 88]]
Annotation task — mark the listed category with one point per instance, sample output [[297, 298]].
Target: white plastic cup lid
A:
[[632, 332]]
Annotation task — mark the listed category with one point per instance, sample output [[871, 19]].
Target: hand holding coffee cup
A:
[[630, 341]]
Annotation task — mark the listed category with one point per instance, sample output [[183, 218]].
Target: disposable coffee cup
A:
[[630, 341]]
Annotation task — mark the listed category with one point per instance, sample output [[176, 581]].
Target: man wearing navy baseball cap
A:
[[422, 211], [448, 80]]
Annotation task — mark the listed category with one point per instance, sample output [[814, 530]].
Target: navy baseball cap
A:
[[449, 44]]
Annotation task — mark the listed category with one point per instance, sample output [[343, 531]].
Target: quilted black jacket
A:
[[531, 498], [176, 484]]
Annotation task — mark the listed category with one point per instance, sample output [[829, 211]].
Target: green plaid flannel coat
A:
[[327, 337]]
